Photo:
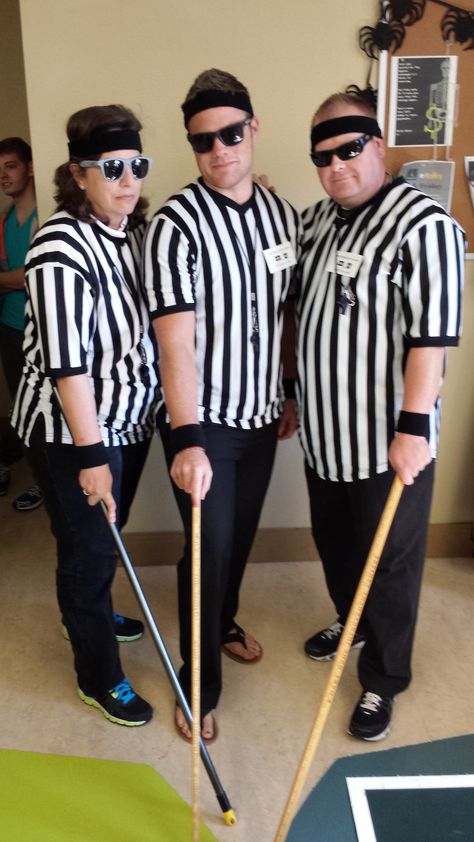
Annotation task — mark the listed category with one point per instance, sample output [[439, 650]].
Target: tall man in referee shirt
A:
[[219, 262], [381, 278]]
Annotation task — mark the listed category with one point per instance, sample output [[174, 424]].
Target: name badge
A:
[[347, 263], [279, 257]]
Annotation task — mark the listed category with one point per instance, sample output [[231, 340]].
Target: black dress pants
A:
[[344, 518], [86, 558], [242, 462]]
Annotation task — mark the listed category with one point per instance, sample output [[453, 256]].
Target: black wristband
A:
[[92, 455], [188, 435], [414, 423], [289, 388]]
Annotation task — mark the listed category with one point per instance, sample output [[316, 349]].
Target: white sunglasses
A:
[[113, 168]]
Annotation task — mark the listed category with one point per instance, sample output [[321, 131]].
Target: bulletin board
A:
[[424, 38]]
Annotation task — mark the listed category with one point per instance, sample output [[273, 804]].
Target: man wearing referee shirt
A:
[[381, 279], [219, 263]]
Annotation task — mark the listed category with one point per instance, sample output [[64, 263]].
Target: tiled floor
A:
[[266, 710]]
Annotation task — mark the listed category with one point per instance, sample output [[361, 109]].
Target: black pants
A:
[[11, 353], [344, 518], [86, 552], [242, 462]]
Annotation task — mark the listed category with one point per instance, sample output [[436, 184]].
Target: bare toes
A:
[[207, 730], [181, 724]]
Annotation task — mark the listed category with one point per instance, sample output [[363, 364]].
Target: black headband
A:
[[344, 125], [216, 99], [104, 141]]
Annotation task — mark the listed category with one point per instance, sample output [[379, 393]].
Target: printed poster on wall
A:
[[422, 100], [435, 178]]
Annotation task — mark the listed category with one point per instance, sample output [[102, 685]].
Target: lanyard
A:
[[124, 277], [249, 255]]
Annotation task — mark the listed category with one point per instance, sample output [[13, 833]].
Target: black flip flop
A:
[[238, 636]]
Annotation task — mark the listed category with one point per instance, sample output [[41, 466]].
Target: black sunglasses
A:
[[230, 136], [344, 152], [113, 168]]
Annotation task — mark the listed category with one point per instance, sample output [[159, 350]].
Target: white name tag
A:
[[347, 263], [279, 257]]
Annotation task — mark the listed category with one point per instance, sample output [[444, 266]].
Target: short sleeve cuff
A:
[[431, 341]]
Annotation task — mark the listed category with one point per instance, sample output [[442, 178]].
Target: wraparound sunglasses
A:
[[345, 152], [230, 136]]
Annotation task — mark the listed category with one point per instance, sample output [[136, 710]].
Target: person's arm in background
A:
[[175, 333], [288, 419], [12, 279]]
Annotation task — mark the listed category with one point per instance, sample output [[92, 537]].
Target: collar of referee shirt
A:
[[346, 216], [216, 99], [344, 125]]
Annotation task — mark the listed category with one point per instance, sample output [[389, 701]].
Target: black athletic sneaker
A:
[[126, 629], [31, 499], [121, 705], [372, 717], [323, 645]]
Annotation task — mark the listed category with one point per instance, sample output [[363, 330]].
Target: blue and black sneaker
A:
[[121, 705], [126, 629]]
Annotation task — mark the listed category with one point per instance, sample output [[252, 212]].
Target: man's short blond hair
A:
[[338, 100]]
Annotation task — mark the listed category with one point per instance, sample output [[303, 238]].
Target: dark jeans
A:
[[344, 518], [11, 353], [242, 462], [86, 552]]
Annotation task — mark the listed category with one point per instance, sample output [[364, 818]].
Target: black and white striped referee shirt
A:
[[206, 253], [408, 290], [85, 313]]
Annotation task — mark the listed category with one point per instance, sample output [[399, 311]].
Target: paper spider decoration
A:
[[383, 36], [406, 11], [459, 25], [369, 93]]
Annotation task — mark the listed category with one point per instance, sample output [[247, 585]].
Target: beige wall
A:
[[13, 110], [290, 56]]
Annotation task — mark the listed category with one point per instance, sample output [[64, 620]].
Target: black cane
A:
[[229, 814]]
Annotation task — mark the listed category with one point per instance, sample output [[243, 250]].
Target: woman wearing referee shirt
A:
[[85, 404]]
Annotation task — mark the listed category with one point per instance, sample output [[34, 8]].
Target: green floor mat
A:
[[51, 798]]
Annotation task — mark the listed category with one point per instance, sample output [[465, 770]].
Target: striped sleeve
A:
[[169, 267], [432, 279], [63, 306]]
